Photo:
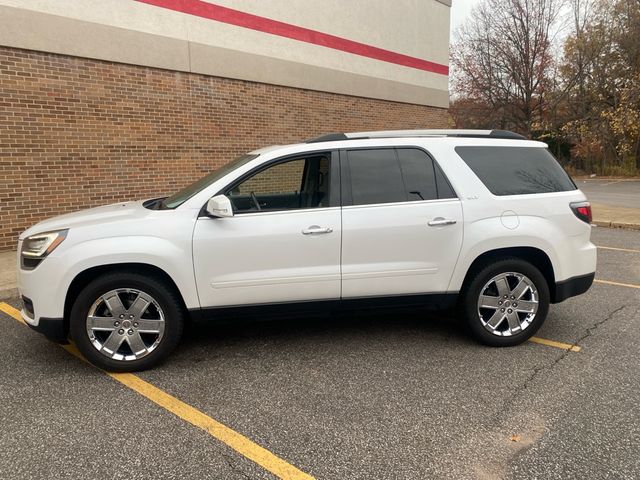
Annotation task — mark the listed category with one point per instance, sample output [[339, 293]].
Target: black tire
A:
[[163, 294], [473, 289]]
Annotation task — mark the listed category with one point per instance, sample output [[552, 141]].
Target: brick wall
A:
[[76, 133]]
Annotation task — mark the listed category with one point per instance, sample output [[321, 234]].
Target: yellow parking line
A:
[[195, 417], [553, 343], [617, 284], [12, 312], [618, 249]]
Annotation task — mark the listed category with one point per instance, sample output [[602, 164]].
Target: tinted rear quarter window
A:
[[516, 170]]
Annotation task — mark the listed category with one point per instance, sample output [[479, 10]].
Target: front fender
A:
[[155, 251], [66, 265]]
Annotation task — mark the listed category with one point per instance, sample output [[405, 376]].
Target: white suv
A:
[[484, 219]]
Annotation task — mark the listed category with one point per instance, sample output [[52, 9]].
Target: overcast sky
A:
[[460, 10]]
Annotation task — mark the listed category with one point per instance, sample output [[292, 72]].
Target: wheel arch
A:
[[85, 276], [535, 256]]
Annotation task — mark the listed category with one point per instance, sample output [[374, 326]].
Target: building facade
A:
[[107, 100]]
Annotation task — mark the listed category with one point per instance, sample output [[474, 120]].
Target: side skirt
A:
[[272, 311]]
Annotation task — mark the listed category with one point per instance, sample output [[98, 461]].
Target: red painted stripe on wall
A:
[[222, 14]]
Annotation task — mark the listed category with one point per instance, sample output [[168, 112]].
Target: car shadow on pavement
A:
[[238, 330]]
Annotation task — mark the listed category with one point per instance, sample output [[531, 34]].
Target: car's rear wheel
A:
[[126, 321], [505, 302]]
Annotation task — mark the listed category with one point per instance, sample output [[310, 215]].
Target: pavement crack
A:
[[549, 366], [233, 467], [525, 385], [595, 326], [508, 448]]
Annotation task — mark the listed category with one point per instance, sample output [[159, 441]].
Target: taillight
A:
[[582, 210]]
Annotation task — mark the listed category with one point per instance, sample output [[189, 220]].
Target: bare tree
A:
[[603, 105], [583, 55], [502, 59]]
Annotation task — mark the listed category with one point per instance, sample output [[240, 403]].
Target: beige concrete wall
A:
[[133, 32]]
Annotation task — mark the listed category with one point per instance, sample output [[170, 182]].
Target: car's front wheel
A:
[[505, 302], [126, 321]]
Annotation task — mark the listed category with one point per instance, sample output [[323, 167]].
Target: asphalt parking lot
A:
[[617, 193], [402, 396]]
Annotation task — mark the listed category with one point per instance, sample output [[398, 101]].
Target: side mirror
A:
[[219, 206]]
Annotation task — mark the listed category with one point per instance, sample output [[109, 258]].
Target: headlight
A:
[[40, 245]]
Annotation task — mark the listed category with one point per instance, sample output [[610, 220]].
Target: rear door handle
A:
[[316, 230], [440, 222]]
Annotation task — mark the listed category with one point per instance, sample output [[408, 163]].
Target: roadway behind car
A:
[[612, 192]]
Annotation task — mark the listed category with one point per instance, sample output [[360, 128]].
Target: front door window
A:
[[290, 185]]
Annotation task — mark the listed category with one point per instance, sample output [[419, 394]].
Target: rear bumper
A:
[[572, 286]]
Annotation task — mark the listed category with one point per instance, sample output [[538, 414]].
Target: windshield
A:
[[186, 193]]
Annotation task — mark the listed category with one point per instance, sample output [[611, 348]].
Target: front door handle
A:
[[316, 230], [440, 222]]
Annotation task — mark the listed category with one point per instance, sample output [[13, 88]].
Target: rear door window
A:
[[516, 170], [418, 173], [394, 175], [444, 188], [376, 177]]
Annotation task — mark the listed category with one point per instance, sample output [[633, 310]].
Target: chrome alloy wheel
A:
[[508, 303], [125, 324]]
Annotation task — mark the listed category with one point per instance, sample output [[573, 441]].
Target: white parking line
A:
[[619, 249]]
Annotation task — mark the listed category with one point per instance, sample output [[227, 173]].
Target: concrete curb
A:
[[8, 293], [623, 225]]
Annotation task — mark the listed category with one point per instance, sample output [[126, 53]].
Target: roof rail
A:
[[497, 134]]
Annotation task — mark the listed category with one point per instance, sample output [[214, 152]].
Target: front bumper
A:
[[52, 328], [46, 287], [42, 294], [572, 286]]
